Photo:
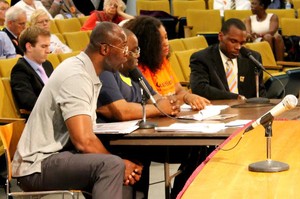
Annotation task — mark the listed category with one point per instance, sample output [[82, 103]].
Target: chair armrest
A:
[[288, 63], [278, 67], [185, 84]]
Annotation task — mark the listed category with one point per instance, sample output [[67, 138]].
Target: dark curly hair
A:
[[146, 29]]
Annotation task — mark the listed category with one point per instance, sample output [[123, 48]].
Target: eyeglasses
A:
[[124, 50], [136, 53]]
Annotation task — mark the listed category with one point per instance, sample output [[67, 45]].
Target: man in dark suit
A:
[[209, 72], [15, 23], [31, 71]]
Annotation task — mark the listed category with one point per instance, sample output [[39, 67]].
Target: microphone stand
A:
[[143, 124], [268, 165], [257, 99]]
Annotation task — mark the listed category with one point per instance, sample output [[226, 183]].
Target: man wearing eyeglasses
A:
[[120, 100], [58, 148], [15, 23]]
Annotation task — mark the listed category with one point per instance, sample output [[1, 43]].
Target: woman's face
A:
[[43, 22], [111, 7], [255, 6], [164, 40]]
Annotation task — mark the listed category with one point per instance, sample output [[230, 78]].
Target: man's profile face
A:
[[118, 51], [18, 25], [39, 52], [133, 55], [231, 42]]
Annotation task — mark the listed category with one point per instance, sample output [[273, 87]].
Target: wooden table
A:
[[226, 174], [151, 138]]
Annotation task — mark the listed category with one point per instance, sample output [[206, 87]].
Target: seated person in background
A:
[[31, 72], [113, 11], [41, 19], [3, 8], [30, 6], [64, 151], [60, 9], [220, 72], [7, 49], [263, 26], [15, 23], [120, 100], [231, 5], [154, 63]]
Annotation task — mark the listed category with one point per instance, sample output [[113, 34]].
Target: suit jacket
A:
[[26, 84], [208, 77], [14, 41]]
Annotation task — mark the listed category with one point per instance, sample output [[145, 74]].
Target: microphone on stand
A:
[[257, 100], [136, 76], [288, 103]]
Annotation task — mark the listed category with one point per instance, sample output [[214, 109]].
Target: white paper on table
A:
[[237, 123], [209, 111], [193, 127], [116, 127]]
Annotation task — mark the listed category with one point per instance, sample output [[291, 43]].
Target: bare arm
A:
[[121, 110], [274, 24], [80, 128]]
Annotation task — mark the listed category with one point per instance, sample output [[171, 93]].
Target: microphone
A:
[[247, 53], [289, 102], [136, 76]]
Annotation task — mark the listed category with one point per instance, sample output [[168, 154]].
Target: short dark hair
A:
[[104, 32], [264, 3], [232, 22], [30, 35]]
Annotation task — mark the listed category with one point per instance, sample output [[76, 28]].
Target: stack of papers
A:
[[116, 127]]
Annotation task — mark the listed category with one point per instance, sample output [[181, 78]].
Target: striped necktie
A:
[[232, 5], [231, 77]]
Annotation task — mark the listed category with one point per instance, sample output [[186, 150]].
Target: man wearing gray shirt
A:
[[58, 149]]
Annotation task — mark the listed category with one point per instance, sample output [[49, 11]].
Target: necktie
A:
[[231, 76], [43, 74], [232, 5]]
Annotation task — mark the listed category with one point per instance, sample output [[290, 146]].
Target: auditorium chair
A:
[[203, 22], [60, 37], [176, 45], [283, 13], [68, 25], [53, 27], [290, 27], [77, 40], [275, 84], [180, 6], [239, 14], [184, 61], [197, 42], [53, 58], [7, 107], [63, 56], [6, 66], [177, 70], [155, 5], [293, 85], [10, 135]]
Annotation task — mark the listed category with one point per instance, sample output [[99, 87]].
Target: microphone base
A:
[[147, 125], [268, 166], [258, 100]]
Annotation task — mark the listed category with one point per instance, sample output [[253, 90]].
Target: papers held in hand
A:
[[209, 113], [116, 127]]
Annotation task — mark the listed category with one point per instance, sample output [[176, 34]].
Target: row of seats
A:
[[75, 40], [67, 25], [197, 22], [6, 65]]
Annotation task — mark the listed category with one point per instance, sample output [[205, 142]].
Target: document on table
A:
[[211, 112], [116, 127]]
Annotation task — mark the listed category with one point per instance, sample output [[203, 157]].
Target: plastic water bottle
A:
[[288, 5]]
